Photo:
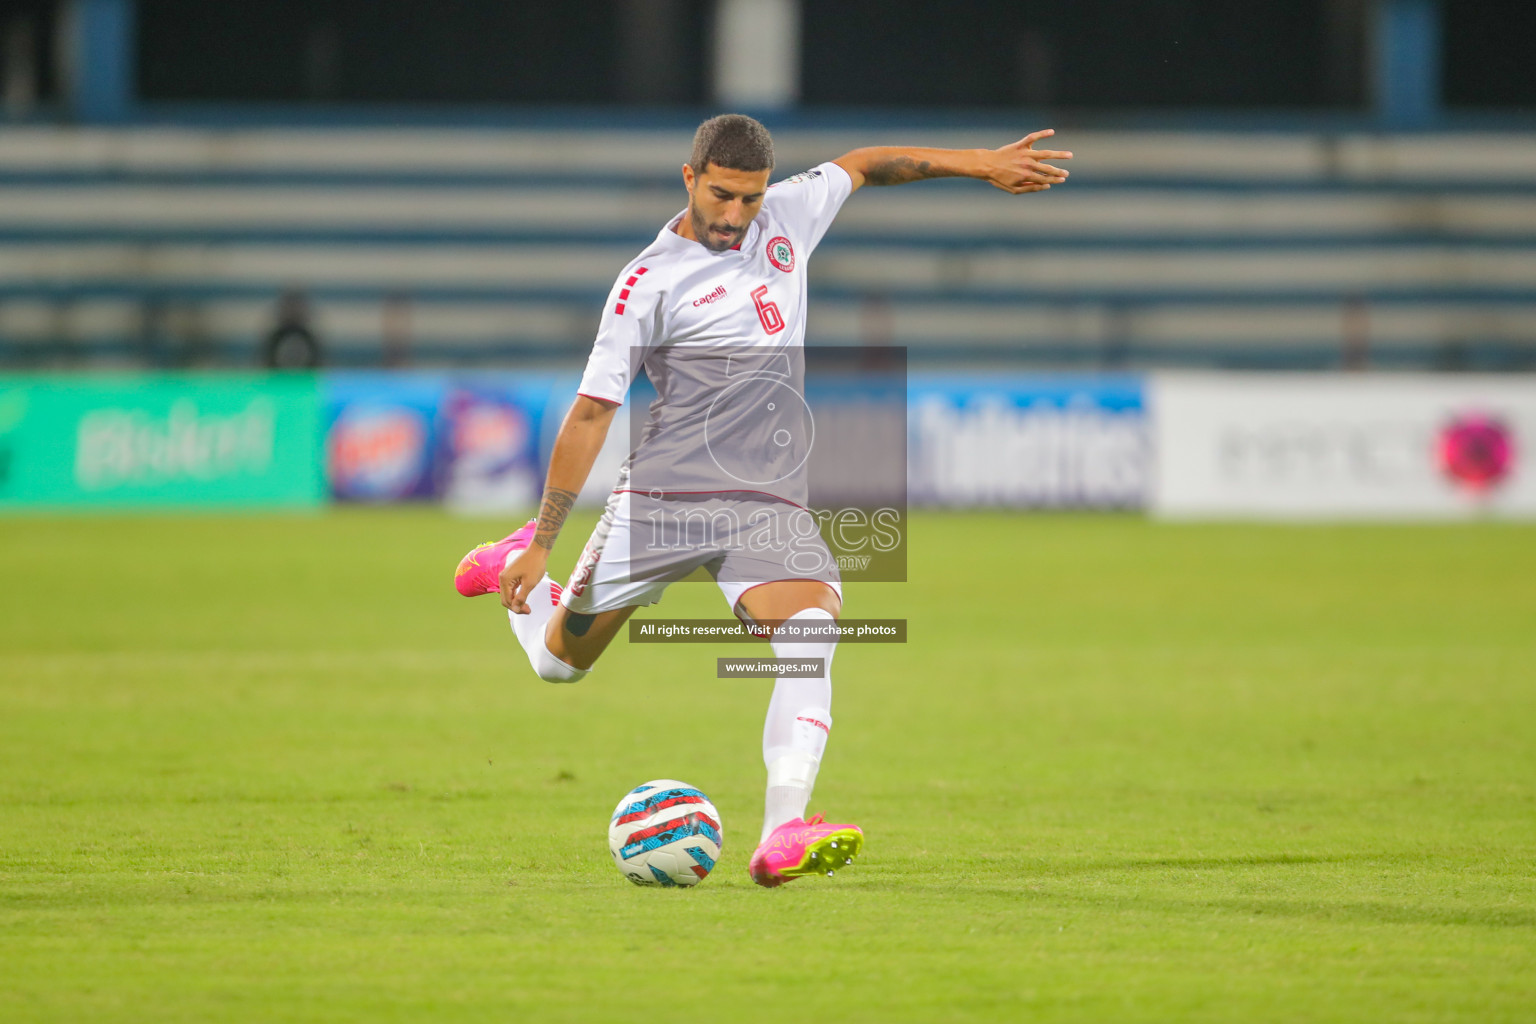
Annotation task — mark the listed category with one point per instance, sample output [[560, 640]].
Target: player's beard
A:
[[705, 232]]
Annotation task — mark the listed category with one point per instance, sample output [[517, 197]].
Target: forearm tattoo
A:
[[557, 505], [898, 170]]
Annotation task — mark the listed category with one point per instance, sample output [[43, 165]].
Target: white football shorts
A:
[[644, 543]]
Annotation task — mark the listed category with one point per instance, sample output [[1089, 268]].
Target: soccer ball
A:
[[665, 833]]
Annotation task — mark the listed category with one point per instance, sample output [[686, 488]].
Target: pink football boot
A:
[[798, 848], [480, 570]]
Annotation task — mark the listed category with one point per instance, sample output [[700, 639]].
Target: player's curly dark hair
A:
[[733, 141]]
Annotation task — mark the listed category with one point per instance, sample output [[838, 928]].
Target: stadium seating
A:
[[172, 246]]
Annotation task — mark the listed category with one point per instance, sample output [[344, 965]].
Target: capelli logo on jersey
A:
[[718, 293], [781, 254], [818, 723]]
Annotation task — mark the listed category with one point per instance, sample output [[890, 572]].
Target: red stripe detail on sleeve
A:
[[619, 306]]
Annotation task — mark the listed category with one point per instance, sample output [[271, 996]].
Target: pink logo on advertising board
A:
[[1476, 452]]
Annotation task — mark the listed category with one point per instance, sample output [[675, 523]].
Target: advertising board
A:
[[159, 441], [1028, 441], [471, 441], [481, 442], [1299, 446]]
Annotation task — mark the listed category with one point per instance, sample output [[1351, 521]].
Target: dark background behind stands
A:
[[1093, 54]]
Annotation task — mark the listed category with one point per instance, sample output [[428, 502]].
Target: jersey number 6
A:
[[767, 312]]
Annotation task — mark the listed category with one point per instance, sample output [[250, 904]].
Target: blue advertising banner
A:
[[1029, 441], [472, 441]]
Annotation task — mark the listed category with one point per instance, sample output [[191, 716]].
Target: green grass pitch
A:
[[274, 768]]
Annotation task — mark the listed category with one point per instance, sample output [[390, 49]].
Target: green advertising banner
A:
[[160, 441]]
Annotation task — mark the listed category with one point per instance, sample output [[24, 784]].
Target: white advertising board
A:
[[1321, 446]]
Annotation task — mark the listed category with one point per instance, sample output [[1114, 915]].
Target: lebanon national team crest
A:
[[781, 254]]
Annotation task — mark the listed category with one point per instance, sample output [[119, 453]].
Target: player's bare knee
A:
[[565, 643]]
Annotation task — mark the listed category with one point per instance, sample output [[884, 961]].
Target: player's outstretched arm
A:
[[1016, 168], [576, 446]]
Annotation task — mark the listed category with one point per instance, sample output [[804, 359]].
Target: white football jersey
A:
[[678, 292], [718, 333]]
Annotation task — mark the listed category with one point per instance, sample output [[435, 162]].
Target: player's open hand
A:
[[519, 577], [1020, 167]]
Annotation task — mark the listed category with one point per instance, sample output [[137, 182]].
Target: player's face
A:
[[722, 203]]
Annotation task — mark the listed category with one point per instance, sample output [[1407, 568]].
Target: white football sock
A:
[[796, 729], [551, 669], [542, 601]]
